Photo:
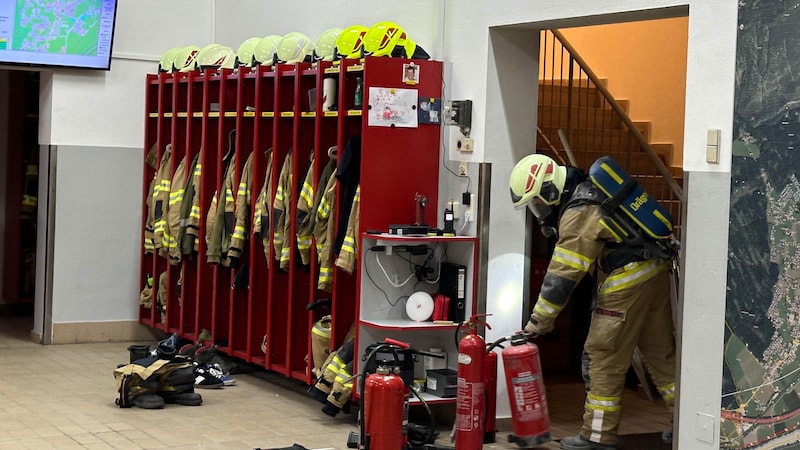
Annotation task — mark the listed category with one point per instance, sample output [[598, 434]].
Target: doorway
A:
[[19, 163]]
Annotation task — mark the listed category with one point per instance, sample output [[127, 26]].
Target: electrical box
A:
[[459, 113]]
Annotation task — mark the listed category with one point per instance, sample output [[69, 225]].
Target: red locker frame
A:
[[269, 108]]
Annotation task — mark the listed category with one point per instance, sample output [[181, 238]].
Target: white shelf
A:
[[399, 324]]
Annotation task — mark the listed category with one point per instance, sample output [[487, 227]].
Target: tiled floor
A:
[[62, 397]]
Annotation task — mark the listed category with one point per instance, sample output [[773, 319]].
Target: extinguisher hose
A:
[[362, 436], [497, 343], [431, 424]]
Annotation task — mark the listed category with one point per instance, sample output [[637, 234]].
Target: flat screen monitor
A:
[[57, 33]]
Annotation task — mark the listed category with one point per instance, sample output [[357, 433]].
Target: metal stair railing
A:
[[595, 123]]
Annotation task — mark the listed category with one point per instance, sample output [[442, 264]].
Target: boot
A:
[[148, 401], [182, 398], [581, 443], [666, 436]]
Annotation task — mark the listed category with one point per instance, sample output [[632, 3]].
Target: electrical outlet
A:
[[462, 169]]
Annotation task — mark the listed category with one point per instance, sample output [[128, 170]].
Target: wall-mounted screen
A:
[[59, 33]]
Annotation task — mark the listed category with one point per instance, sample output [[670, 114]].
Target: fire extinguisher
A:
[[470, 389], [384, 397], [530, 421]]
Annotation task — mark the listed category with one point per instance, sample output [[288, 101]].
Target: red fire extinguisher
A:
[[530, 420], [470, 389], [384, 397]]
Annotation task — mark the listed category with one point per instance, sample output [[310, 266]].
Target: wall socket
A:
[[462, 169]]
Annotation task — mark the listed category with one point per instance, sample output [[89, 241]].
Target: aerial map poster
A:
[[760, 391], [67, 33]]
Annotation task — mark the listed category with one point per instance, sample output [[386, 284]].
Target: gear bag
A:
[[634, 217]]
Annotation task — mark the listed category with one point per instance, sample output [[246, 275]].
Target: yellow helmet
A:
[[185, 58], [218, 57], [325, 45], [202, 54], [244, 55], [350, 41], [264, 52], [384, 37], [167, 59], [537, 181], [293, 47]]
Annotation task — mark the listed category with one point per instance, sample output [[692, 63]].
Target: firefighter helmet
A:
[[203, 53], [325, 45], [167, 59], [264, 52], [350, 42], [293, 47], [186, 58], [217, 57], [384, 37], [537, 182], [244, 55]]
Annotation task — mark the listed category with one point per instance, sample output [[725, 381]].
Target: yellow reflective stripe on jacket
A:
[[304, 242], [175, 197], [667, 391], [599, 403], [324, 209], [325, 274], [195, 212], [228, 195], [197, 170], [321, 331], [547, 309], [239, 232], [243, 190], [148, 244], [633, 273], [349, 244], [572, 259], [307, 193]]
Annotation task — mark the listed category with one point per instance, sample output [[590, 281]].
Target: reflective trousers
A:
[[633, 309]]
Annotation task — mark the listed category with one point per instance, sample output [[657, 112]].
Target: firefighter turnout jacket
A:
[[280, 210], [633, 309], [262, 208]]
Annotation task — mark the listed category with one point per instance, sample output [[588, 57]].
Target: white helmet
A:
[[294, 47], [244, 55], [264, 52]]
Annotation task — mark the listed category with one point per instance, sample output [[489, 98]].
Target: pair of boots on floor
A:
[[155, 377]]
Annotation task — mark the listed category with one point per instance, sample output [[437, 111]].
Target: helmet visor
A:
[[539, 208]]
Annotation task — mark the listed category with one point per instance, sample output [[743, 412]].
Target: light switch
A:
[[712, 146]]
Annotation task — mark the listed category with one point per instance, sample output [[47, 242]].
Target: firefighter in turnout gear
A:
[[633, 305]]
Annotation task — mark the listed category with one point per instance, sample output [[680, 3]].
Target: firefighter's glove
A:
[[535, 327]]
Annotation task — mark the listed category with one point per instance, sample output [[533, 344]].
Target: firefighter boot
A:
[[581, 443]]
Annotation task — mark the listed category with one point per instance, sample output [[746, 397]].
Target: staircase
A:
[[576, 105]]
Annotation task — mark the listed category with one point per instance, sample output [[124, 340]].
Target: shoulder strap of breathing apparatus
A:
[[639, 224]]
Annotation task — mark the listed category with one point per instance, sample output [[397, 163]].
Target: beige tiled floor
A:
[[62, 397]]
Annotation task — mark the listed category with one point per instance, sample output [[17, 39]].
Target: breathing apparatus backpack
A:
[[634, 217]]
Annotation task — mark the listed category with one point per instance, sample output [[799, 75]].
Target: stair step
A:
[[593, 139], [556, 95], [556, 115]]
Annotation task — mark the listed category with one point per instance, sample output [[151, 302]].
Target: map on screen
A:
[[67, 33]]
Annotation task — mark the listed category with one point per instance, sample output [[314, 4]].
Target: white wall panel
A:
[[237, 20], [146, 28], [97, 234]]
